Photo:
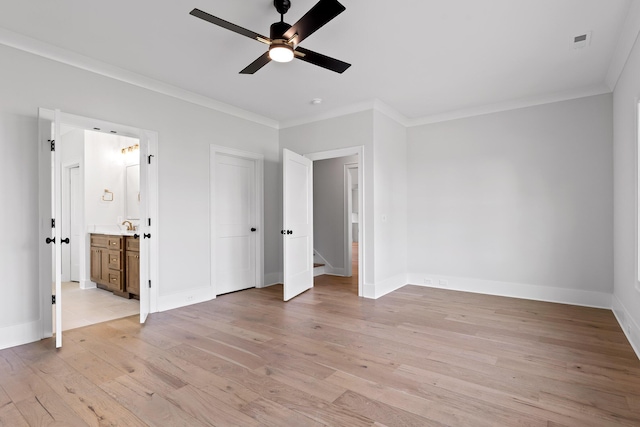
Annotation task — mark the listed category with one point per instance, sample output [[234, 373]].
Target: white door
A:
[[297, 223], [56, 215], [74, 208], [145, 227], [235, 222]]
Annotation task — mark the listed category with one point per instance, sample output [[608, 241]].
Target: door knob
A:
[[136, 236], [50, 240], [289, 231], [64, 241], [147, 236], [253, 229]]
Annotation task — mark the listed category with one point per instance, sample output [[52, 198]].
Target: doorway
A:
[[346, 220], [55, 235]]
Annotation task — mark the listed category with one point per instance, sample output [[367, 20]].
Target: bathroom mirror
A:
[[132, 184]]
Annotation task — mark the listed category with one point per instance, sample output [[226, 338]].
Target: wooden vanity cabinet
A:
[[132, 267], [107, 263]]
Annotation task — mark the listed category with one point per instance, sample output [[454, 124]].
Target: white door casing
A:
[[56, 202], [74, 229], [50, 207], [236, 209], [297, 177]]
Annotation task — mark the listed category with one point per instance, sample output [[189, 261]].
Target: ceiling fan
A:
[[284, 40]]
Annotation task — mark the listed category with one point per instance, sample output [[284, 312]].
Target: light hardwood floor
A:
[[415, 357]]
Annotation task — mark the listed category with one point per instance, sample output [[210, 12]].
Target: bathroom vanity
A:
[[115, 264]]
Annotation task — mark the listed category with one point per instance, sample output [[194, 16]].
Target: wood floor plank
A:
[[10, 416]]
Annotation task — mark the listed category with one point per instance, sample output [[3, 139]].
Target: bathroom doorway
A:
[[66, 136]]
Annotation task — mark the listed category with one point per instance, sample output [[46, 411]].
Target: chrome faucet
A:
[[130, 226]]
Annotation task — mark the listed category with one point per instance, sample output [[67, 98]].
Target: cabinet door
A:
[[104, 265], [96, 264], [133, 273]]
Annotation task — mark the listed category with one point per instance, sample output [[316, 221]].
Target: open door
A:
[[297, 223], [145, 228], [50, 133]]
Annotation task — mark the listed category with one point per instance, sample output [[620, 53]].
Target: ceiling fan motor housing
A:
[[278, 29]]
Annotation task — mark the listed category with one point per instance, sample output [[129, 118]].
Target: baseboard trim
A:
[[271, 279], [24, 333], [87, 284], [383, 287], [515, 290], [627, 323], [185, 298]]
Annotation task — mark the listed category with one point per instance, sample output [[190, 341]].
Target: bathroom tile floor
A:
[[82, 307]]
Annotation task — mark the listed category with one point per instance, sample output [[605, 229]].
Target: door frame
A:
[[258, 160], [66, 212], [345, 152], [348, 193], [44, 182]]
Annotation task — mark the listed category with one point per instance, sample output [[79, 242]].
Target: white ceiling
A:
[[420, 57]]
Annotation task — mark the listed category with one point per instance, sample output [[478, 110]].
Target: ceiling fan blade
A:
[[323, 12], [263, 60], [322, 60], [227, 25]]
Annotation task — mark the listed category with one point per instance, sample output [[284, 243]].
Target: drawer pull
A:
[[113, 243], [113, 280], [113, 259]]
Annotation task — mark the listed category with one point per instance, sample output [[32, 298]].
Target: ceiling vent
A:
[[581, 41]]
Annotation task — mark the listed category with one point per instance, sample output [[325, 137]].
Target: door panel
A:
[[145, 258], [234, 218], [297, 224]]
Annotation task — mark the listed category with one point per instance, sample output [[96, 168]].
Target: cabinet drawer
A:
[[115, 279], [115, 260], [99, 240], [114, 242], [132, 244]]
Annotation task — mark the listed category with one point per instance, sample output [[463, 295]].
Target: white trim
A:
[[331, 114], [185, 298], [271, 279], [512, 105], [383, 287], [46, 50], [515, 290], [344, 152], [348, 237], [24, 333], [630, 328], [258, 160], [628, 38]]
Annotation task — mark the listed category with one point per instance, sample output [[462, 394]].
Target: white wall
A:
[[390, 204], [19, 305], [626, 301], [516, 203], [186, 132], [104, 169], [329, 210]]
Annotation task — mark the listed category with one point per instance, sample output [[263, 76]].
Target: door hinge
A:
[[53, 144], [149, 284], [53, 299], [53, 223], [149, 219], [149, 158]]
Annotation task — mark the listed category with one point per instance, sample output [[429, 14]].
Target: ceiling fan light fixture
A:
[[281, 52]]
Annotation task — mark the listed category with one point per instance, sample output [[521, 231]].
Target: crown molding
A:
[[46, 50], [330, 114], [628, 38], [512, 105]]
